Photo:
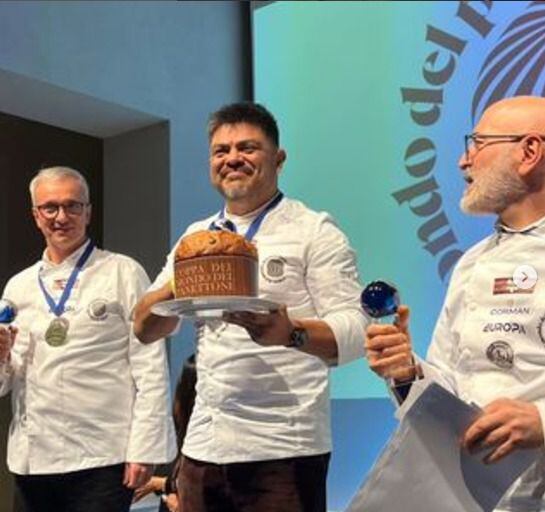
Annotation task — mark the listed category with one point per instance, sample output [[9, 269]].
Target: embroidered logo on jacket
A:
[[541, 329], [501, 354], [513, 327], [510, 311], [506, 285], [273, 269], [98, 309], [60, 284]]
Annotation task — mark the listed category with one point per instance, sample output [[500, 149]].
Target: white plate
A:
[[211, 307]]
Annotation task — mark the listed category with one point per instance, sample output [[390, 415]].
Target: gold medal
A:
[[57, 332]]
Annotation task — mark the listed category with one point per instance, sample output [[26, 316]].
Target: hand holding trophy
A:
[[8, 312], [388, 345]]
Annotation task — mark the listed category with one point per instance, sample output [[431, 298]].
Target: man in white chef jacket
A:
[[259, 436], [91, 412], [489, 342]]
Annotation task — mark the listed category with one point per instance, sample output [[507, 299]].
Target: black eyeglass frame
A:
[[71, 208], [471, 139]]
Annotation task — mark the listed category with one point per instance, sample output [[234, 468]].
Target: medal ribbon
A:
[[222, 223], [58, 309]]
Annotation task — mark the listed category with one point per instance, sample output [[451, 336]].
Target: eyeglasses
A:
[[477, 141], [51, 210]]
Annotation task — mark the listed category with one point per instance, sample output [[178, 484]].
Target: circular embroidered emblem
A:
[[501, 354], [273, 269], [541, 329], [98, 309]]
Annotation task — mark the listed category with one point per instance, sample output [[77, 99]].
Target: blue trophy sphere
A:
[[8, 311], [380, 299]]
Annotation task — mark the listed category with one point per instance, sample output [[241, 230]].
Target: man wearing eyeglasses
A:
[[90, 403], [489, 342]]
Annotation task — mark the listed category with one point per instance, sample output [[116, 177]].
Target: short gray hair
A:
[[58, 173]]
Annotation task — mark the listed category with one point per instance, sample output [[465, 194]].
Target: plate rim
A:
[[200, 304]]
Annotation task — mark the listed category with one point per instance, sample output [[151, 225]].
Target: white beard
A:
[[495, 188]]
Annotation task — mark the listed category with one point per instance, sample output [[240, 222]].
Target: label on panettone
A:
[[215, 275]]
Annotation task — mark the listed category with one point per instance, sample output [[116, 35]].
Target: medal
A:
[[57, 332]]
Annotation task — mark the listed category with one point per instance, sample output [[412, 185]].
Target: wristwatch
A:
[[298, 337]]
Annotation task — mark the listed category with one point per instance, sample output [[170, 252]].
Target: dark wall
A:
[[137, 195], [27, 146]]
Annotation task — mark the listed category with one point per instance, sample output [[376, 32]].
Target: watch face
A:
[[298, 337]]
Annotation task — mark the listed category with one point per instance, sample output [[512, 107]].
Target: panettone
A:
[[211, 263]]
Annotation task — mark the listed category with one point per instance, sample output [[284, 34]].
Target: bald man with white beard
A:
[[488, 346]]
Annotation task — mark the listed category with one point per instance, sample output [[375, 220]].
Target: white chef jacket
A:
[[100, 399], [489, 341], [261, 403]]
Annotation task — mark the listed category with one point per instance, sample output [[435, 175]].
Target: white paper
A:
[[424, 468]]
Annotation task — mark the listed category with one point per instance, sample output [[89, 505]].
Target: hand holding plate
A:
[[269, 328]]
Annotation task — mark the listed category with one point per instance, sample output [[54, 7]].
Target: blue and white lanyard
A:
[[221, 223], [58, 309]]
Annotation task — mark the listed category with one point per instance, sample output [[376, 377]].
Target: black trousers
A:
[[286, 485], [88, 490]]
